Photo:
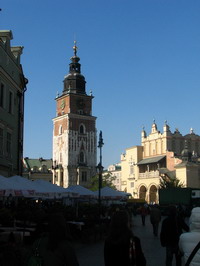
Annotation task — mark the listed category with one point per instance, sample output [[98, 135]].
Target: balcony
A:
[[150, 174]]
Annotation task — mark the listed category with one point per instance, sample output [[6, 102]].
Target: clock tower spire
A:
[[74, 130], [74, 82]]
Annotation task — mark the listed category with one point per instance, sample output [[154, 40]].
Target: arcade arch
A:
[[153, 194], [142, 192]]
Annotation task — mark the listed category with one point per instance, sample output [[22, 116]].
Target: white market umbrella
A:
[[22, 186], [55, 190], [82, 191], [6, 187], [107, 192]]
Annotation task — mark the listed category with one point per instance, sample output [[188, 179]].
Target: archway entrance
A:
[[143, 192], [153, 194]]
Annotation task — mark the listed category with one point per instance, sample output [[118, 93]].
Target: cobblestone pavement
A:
[[92, 254]]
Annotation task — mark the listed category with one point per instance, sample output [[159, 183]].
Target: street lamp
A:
[[99, 166]]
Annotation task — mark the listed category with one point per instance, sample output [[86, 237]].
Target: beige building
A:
[[115, 171], [160, 153], [12, 90]]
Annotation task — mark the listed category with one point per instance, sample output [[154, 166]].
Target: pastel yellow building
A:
[[115, 171], [160, 153]]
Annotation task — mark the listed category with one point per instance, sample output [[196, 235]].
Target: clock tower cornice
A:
[[75, 116], [78, 116]]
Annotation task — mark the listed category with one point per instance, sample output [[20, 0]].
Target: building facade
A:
[[40, 168], [74, 131], [12, 90], [165, 153], [115, 171]]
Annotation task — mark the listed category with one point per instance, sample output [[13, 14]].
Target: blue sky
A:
[[140, 58]]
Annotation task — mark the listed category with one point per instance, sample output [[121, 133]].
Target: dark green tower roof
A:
[[74, 82]]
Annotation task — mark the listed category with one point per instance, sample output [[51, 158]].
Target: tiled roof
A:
[[151, 160], [38, 163]]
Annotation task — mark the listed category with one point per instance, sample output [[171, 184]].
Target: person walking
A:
[[143, 213], [172, 228], [155, 217], [121, 247], [189, 240]]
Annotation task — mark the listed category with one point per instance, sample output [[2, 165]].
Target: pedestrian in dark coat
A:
[[121, 246], [143, 213], [172, 228], [155, 217]]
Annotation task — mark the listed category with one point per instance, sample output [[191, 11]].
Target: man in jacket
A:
[[155, 217], [188, 241], [172, 228]]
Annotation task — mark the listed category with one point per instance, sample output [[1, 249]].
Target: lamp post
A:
[[100, 167]]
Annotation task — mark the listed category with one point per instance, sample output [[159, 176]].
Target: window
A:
[[2, 95], [35, 169], [84, 176], [1, 141], [61, 178], [10, 106], [61, 157], [82, 129], [60, 130], [8, 144], [44, 168], [131, 169], [91, 145], [82, 157], [132, 184]]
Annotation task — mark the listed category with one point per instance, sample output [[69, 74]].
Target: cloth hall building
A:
[[165, 153]]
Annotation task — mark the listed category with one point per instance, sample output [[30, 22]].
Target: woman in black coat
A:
[[121, 247]]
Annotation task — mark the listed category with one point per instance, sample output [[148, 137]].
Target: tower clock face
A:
[[62, 105], [80, 103]]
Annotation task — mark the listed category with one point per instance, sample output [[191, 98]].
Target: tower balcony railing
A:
[[150, 174]]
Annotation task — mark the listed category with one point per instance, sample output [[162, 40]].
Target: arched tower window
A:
[[82, 157], [82, 129], [60, 130]]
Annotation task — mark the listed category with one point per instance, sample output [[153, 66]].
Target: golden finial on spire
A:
[[75, 48]]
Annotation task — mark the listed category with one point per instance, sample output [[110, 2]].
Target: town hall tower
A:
[[74, 131]]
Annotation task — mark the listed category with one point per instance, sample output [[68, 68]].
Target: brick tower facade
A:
[[74, 131]]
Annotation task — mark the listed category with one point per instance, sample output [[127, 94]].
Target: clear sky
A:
[[140, 58]]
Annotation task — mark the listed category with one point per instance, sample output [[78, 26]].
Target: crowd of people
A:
[[51, 243]]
